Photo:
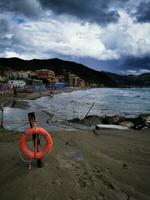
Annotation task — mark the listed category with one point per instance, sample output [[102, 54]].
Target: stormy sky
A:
[[110, 35]]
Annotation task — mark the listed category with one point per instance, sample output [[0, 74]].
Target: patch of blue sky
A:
[[19, 20]]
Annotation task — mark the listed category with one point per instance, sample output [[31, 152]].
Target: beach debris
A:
[[69, 143], [124, 166], [127, 124], [89, 110], [110, 126]]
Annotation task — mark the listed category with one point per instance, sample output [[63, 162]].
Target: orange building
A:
[[47, 75]]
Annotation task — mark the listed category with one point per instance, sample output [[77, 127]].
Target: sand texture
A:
[[111, 165]]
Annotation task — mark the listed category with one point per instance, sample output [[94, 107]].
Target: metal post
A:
[[89, 109], [36, 139]]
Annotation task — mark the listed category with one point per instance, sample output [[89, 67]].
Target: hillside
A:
[[62, 67]]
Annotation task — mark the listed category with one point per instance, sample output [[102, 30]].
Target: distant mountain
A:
[[62, 67]]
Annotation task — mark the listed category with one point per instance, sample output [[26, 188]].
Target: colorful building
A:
[[18, 75], [75, 81], [17, 83], [46, 75], [5, 88]]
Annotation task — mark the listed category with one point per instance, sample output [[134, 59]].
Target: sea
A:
[[53, 112]]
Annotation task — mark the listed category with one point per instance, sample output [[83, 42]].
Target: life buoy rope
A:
[[35, 154]]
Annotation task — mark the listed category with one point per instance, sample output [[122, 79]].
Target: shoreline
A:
[[21, 101], [138, 122], [8, 100]]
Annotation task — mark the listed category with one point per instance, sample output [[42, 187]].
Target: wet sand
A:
[[111, 165]]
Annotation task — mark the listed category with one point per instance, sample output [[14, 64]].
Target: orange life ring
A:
[[32, 154]]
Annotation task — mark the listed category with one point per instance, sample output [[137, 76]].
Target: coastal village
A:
[[12, 82], [98, 155]]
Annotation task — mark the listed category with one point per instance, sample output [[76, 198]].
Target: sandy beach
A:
[[111, 165], [83, 165]]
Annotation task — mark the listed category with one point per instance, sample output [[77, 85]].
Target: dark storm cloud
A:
[[137, 62], [131, 64], [143, 12], [122, 65], [29, 8], [91, 10], [99, 11]]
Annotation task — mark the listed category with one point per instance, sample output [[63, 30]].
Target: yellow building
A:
[[47, 75], [3, 79], [75, 81]]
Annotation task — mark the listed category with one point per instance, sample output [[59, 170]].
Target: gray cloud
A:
[[143, 12], [4, 38], [101, 12], [29, 8], [4, 27]]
